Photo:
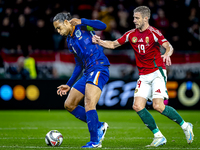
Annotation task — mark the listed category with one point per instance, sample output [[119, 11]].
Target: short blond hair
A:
[[144, 10]]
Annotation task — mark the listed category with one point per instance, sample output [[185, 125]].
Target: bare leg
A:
[[71, 104], [73, 99]]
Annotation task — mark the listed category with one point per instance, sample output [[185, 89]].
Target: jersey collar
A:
[[72, 31]]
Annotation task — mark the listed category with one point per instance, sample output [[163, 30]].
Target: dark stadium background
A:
[[26, 29]]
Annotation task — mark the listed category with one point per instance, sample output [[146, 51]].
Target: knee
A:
[[89, 105], [158, 107], [68, 106], [137, 107]]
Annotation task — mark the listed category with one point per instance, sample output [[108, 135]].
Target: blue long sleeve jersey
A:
[[87, 54]]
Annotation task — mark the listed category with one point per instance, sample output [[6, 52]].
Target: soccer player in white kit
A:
[[151, 84]]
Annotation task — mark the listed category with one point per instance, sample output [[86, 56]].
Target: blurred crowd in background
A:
[[27, 24], [26, 28]]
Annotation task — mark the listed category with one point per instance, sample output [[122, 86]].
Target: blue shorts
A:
[[99, 77]]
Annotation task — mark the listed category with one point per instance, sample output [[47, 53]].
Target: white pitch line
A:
[[175, 148], [22, 128], [39, 147], [111, 138], [35, 128]]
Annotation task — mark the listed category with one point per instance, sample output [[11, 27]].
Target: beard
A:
[[140, 27]]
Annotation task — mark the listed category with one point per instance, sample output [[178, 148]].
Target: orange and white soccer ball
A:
[[54, 138]]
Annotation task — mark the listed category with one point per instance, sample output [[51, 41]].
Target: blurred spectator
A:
[[58, 42], [55, 73], [9, 13], [193, 38], [22, 33], [191, 44], [195, 31], [2, 70], [19, 72], [123, 20], [188, 75], [42, 37], [85, 8], [114, 33], [160, 4], [106, 16], [19, 6], [59, 5], [26, 25], [29, 64], [139, 3], [48, 16], [6, 34], [1, 7], [175, 36], [191, 3], [153, 9], [27, 12], [99, 4], [95, 15], [35, 17], [192, 18], [161, 22]]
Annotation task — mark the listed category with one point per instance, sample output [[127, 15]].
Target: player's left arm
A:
[[168, 53], [89, 25]]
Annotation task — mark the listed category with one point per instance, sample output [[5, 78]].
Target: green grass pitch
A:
[[26, 129]]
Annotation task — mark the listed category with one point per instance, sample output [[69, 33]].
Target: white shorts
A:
[[152, 85]]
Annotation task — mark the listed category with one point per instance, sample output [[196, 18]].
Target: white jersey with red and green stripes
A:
[[146, 46]]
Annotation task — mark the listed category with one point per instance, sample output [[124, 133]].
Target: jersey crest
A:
[[78, 33], [134, 39]]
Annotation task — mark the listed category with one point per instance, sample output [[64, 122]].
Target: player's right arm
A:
[[104, 43], [77, 71], [63, 89], [111, 44]]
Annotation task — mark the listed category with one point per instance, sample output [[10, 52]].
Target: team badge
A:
[[78, 33], [147, 39], [134, 39], [136, 90]]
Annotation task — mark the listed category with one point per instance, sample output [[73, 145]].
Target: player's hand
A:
[[75, 21], [166, 59], [63, 89], [96, 39]]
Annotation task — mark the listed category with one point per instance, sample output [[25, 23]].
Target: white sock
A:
[[184, 125], [158, 134]]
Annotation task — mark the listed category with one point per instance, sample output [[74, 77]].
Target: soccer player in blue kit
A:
[[90, 58]]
